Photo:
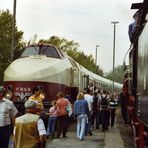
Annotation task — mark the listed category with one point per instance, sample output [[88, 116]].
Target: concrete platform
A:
[[109, 139], [113, 138]]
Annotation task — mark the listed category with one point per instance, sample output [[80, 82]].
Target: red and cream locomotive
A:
[[48, 68]]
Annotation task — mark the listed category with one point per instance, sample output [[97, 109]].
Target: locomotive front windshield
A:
[[49, 51]]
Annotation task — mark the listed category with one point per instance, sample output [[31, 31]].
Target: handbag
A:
[[69, 109]]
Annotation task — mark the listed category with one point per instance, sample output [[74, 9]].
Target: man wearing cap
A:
[[29, 130], [7, 116], [132, 27]]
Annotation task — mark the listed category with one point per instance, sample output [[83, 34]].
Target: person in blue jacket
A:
[[132, 27], [81, 112]]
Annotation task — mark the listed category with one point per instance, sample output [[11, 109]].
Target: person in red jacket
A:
[[62, 115]]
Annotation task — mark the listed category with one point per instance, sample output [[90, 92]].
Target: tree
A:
[[118, 74], [99, 71], [61, 43], [6, 19], [71, 48]]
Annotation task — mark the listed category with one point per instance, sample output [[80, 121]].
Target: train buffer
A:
[[99, 139]]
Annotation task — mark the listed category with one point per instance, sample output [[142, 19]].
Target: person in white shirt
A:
[[7, 117], [89, 100]]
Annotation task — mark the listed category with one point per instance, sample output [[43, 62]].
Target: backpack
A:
[[104, 102]]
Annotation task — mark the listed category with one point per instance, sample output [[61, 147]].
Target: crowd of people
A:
[[94, 110], [91, 109]]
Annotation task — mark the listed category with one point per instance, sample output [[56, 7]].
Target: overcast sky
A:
[[87, 22]]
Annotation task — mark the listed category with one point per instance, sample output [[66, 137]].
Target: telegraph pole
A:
[[114, 38], [13, 30]]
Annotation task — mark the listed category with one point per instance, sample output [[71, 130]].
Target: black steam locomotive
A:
[[135, 84]]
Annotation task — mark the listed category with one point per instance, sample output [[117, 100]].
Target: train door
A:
[[74, 74], [81, 82], [86, 81], [74, 77]]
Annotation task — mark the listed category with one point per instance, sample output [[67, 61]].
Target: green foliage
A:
[[118, 74], [71, 48], [6, 19], [61, 43]]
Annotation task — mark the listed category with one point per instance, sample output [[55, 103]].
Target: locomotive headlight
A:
[[42, 96], [8, 96]]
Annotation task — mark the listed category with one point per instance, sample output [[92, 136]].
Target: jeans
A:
[[51, 125], [81, 122], [88, 129]]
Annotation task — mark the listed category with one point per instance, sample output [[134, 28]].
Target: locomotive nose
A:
[[29, 69]]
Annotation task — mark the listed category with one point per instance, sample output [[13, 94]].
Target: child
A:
[[52, 119]]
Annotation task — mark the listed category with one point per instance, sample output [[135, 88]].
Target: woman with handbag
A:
[[62, 115]]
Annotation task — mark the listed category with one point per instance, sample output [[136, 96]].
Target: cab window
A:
[[49, 51]]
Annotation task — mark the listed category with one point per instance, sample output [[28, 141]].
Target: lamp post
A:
[[96, 59], [114, 38], [13, 30]]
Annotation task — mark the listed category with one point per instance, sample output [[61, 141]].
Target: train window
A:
[[30, 51], [49, 51], [44, 50]]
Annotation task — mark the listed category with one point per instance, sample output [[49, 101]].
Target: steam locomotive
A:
[[135, 82]]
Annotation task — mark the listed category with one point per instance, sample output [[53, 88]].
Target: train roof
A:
[[46, 49], [98, 78]]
